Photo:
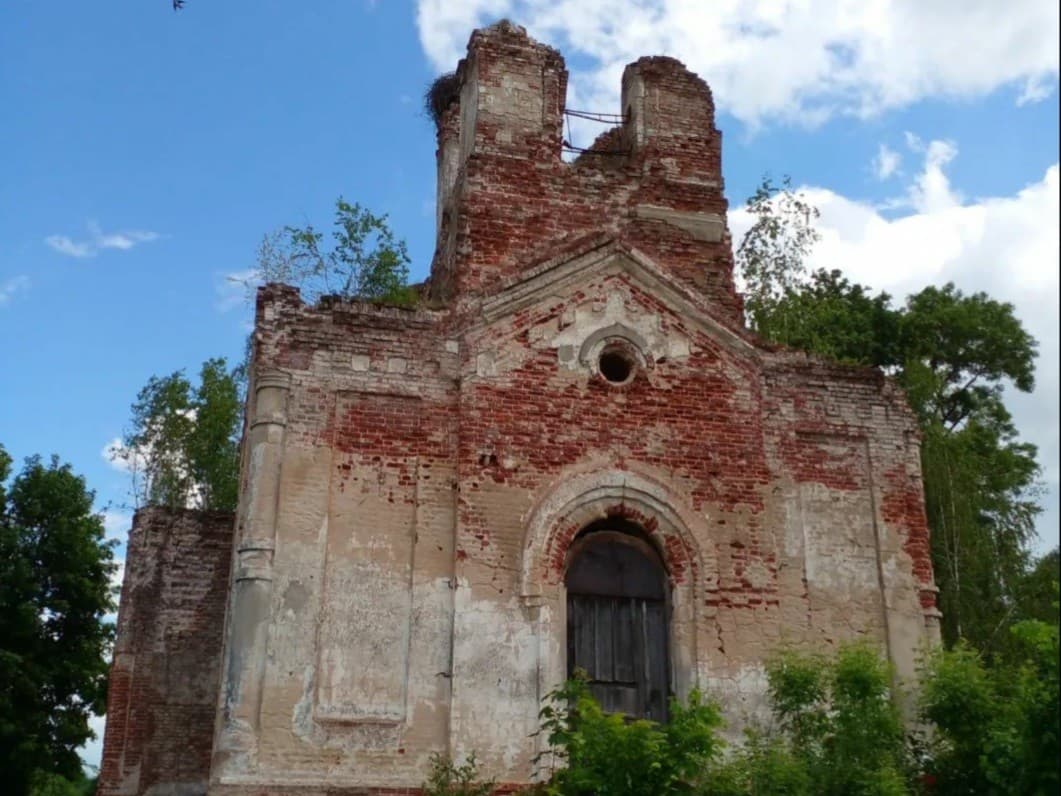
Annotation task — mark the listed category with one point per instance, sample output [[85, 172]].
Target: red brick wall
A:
[[164, 678], [743, 435], [516, 202]]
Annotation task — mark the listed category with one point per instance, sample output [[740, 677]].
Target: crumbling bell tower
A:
[[570, 454], [507, 200]]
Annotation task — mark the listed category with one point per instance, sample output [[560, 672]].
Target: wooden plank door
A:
[[617, 624]]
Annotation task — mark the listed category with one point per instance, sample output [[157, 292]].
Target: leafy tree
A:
[[958, 351], [996, 729], [1037, 590], [55, 569], [213, 442], [183, 447], [771, 254], [831, 316], [980, 503], [366, 260]]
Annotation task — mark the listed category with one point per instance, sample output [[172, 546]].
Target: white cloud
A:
[[116, 584], [886, 163], [932, 191], [64, 245], [799, 60], [120, 457], [1005, 246], [116, 524], [12, 286], [236, 289], [99, 240], [1036, 89], [92, 752]]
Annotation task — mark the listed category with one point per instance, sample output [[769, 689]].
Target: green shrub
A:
[[449, 779], [996, 729], [764, 766], [991, 730], [605, 754], [839, 721], [838, 731]]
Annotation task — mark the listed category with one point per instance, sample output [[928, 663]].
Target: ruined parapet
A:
[[162, 697], [506, 196], [341, 596], [668, 109]]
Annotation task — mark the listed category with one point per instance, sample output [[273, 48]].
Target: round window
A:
[[616, 365]]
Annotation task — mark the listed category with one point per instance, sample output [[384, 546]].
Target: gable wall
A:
[[794, 479]]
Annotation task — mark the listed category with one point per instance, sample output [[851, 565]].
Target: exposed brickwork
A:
[[414, 478], [515, 200], [162, 698]]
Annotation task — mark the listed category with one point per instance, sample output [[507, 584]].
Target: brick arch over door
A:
[[578, 501]]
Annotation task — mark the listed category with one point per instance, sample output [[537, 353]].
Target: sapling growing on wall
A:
[[365, 260]]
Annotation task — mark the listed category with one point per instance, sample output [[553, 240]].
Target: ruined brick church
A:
[[571, 452]]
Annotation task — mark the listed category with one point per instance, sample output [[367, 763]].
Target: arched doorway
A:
[[617, 620]]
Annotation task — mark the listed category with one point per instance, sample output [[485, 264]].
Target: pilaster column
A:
[[248, 622]]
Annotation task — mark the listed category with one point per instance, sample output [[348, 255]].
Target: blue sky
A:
[[146, 152]]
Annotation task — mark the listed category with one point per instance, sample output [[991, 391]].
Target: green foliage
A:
[[1038, 700], [213, 440], [55, 569], [996, 728], [969, 344], [764, 766], [183, 447], [837, 731], [770, 257], [981, 493], [54, 785], [831, 316], [366, 261], [448, 779], [609, 755], [981, 507], [1037, 589], [840, 723]]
